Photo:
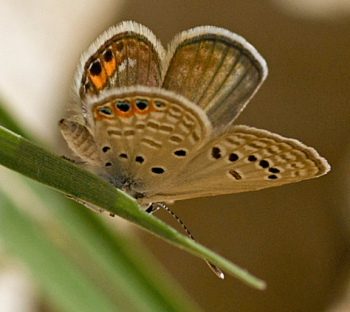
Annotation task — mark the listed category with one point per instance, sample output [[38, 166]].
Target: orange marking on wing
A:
[[142, 112], [99, 81], [145, 111], [119, 58], [120, 112], [110, 66], [98, 115], [127, 114]]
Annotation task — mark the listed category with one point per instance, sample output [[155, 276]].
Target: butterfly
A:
[[157, 123]]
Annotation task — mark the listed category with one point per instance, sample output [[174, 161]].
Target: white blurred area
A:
[[17, 293], [326, 9], [40, 44]]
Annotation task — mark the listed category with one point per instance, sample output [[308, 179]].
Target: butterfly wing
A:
[[145, 135], [243, 159], [125, 55], [216, 69], [159, 143], [80, 141]]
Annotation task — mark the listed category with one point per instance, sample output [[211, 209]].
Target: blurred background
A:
[[295, 237]]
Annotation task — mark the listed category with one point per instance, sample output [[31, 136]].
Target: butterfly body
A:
[[158, 123]]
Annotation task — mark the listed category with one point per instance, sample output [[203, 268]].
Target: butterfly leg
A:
[[152, 209], [86, 204], [77, 162]]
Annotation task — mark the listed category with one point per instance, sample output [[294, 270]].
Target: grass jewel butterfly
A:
[[157, 123]]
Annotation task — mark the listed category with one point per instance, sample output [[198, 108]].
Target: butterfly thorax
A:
[[129, 188]]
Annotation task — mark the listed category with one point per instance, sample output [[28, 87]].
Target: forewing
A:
[[125, 55], [216, 69], [244, 159]]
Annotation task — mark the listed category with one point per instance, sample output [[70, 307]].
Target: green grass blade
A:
[[59, 277], [27, 158], [114, 264], [122, 263]]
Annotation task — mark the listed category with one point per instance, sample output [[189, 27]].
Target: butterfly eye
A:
[[141, 104], [123, 106], [105, 111]]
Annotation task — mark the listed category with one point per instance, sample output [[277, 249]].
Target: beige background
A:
[[296, 237]]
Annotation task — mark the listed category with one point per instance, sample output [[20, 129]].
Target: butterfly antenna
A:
[[153, 209]]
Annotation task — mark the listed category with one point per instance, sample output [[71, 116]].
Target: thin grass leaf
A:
[[105, 260], [24, 238], [32, 161]]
